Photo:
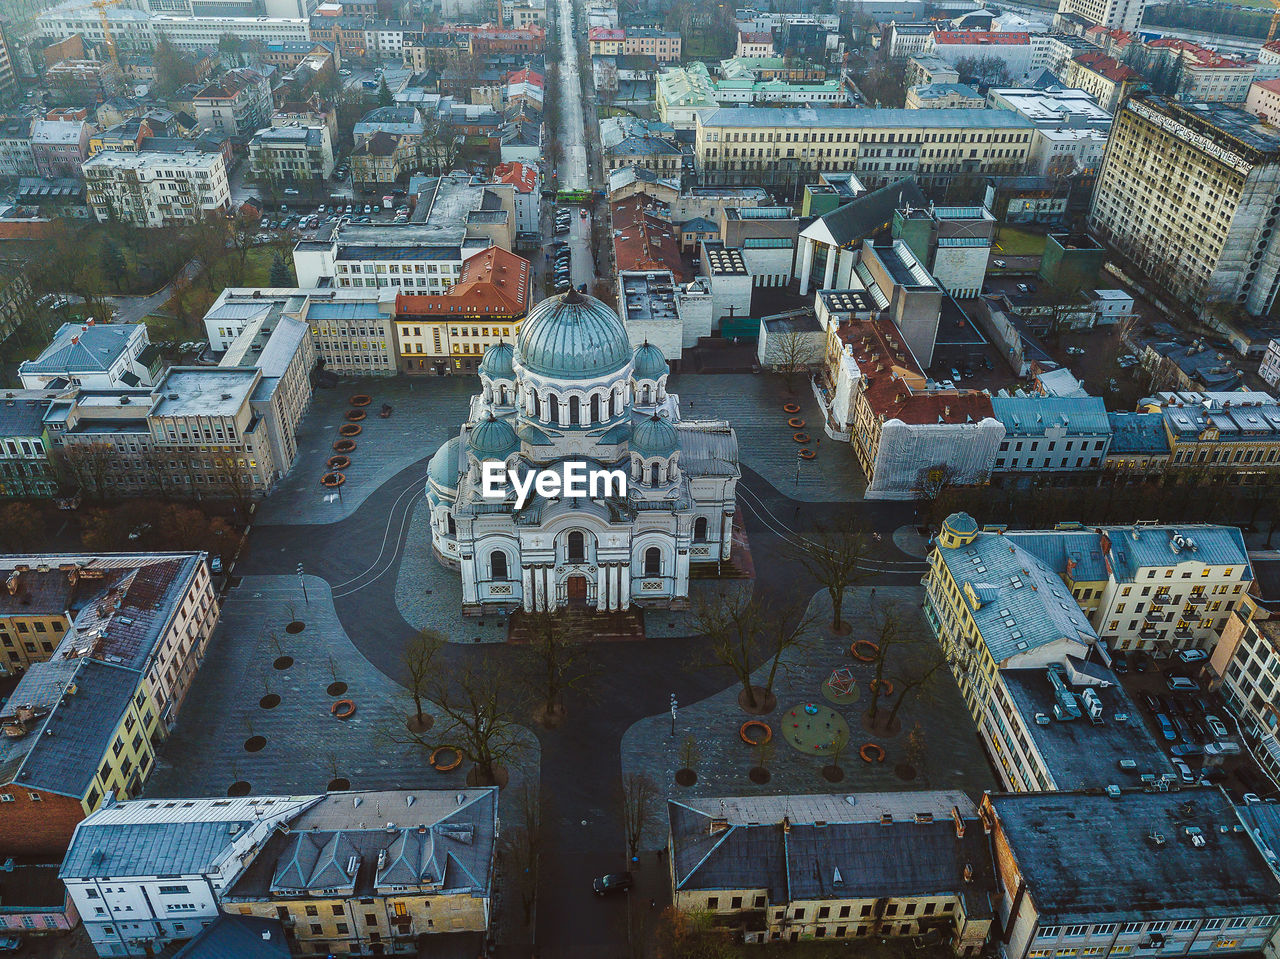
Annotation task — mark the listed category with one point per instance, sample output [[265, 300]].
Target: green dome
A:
[[493, 438], [654, 436], [571, 337], [650, 364], [497, 361], [443, 468]]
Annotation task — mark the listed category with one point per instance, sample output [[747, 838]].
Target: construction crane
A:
[[101, 7]]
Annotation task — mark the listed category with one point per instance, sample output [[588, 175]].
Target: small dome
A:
[[962, 524], [493, 438], [572, 336], [497, 361], [650, 364], [443, 468], [654, 436]]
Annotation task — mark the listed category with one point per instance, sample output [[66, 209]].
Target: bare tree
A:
[[85, 466], [557, 647], [913, 680], [639, 800], [834, 557], [418, 656], [746, 633], [481, 717], [793, 352], [887, 622], [522, 843]]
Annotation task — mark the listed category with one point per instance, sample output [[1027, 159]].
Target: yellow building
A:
[[787, 868], [376, 872], [791, 145]]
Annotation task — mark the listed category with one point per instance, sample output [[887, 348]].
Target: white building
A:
[[571, 390], [657, 310], [409, 256], [155, 189], [149, 872], [1051, 434], [1117, 14], [1270, 368], [1071, 128], [1014, 49], [91, 355], [136, 32], [285, 156], [730, 281], [203, 33]]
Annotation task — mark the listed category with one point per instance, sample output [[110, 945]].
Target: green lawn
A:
[[161, 327], [1014, 242]]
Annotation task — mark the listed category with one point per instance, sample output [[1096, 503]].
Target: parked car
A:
[[614, 882], [1166, 728], [1075, 351], [1192, 655], [1217, 727], [1000, 263], [1249, 799], [1187, 749], [1119, 663], [1184, 771], [1152, 703], [1023, 288], [1181, 684], [10, 944]]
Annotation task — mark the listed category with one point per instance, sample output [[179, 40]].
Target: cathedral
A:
[[573, 391]]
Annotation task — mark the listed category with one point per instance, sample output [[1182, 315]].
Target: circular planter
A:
[[344, 446], [807, 454], [338, 462], [754, 732], [239, 788], [791, 408], [343, 709], [765, 703], [336, 689], [758, 775], [269, 701], [796, 423], [414, 726], [283, 662], [833, 774], [800, 437], [350, 429], [255, 744], [872, 753], [686, 777], [295, 627], [905, 771], [361, 399], [355, 416], [332, 480], [339, 785], [445, 758], [884, 687], [865, 651]]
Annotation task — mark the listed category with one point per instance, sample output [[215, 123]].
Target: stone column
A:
[[680, 582], [624, 586], [602, 587], [806, 265], [833, 255], [726, 536], [526, 588]]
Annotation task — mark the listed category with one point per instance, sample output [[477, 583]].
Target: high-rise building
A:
[[1116, 14], [1190, 192]]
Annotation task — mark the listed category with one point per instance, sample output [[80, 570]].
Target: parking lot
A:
[[1192, 723]]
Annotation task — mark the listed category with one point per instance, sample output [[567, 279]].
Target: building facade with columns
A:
[[572, 390]]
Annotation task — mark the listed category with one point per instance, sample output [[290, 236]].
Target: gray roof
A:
[[82, 349], [1078, 753], [868, 118], [22, 417], [1091, 858], [245, 937], [1033, 415], [872, 212], [61, 751], [833, 846], [203, 391], [1138, 433], [708, 449]]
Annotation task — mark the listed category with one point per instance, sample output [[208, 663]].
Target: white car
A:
[[999, 263], [1217, 727], [1184, 771], [1249, 799], [1192, 655]]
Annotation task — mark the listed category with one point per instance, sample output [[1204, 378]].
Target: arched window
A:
[[576, 547], [502, 396], [498, 565], [613, 404], [644, 397], [453, 527], [553, 409], [537, 406], [575, 409], [595, 408], [653, 561], [655, 474], [700, 529]]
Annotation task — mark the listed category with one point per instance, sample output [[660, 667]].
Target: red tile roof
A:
[[493, 283], [525, 179], [755, 36], [606, 33], [644, 239], [1106, 66], [525, 76], [1271, 86]]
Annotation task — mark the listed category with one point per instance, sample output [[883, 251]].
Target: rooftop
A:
[[721, 260], [1227, 125], [1092, 858], [868, 118], [492, 282], [1035, 415], [1138, 433], [78, 349], [203, 391]]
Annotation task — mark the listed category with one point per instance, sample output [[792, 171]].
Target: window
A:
[[653, 561], [174, 890], [713, 902], [498, 565], [576, 548], [700, 529], [313, 911]]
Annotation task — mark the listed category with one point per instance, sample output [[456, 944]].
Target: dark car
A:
[[1153, 703], [1167, 729], [1119, 663], [614, 882]]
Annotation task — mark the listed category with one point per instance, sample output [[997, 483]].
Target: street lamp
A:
[[303, 583], [674, 704]]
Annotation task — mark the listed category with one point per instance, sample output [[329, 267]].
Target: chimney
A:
[[959, 821]]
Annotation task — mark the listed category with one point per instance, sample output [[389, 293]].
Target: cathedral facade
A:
[[572, 391]]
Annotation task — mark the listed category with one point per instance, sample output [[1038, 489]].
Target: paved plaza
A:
[[306, 746], [427, 411], [953, 754]]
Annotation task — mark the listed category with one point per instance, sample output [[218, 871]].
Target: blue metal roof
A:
[[1138, 433], [367, 310], [1033, 415]]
